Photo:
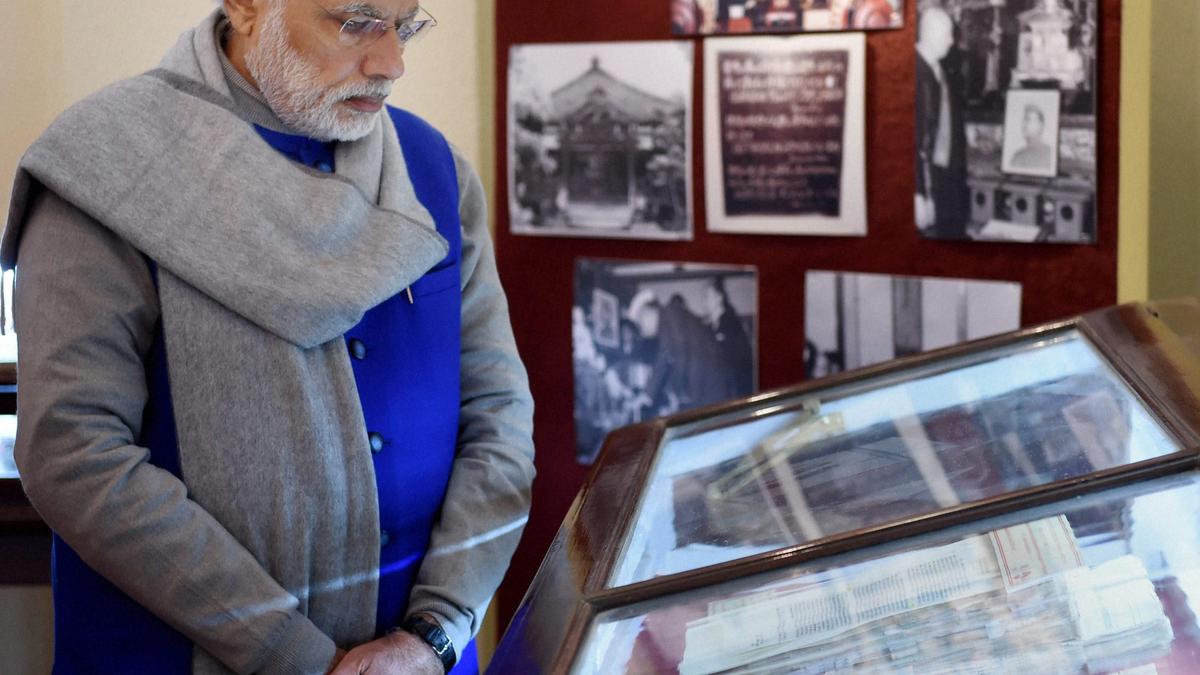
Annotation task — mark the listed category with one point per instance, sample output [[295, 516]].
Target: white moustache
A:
[[370, 92]]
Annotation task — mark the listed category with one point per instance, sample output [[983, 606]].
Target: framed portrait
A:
[[1031, 123], [605, 321]]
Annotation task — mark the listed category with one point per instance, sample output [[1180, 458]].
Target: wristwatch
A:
[[434, 636]]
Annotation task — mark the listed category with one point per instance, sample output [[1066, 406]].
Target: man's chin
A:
[[351, 126]]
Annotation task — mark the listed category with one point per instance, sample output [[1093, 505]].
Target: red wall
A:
[[1059, 280]]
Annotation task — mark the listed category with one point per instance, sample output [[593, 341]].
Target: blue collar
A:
[[311, 153]]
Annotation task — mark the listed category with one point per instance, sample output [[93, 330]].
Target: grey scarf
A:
[[262, 266]]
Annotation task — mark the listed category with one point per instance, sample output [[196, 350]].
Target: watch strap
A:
[[433, 635]]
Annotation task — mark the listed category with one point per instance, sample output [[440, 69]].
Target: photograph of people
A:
[[686, 337], [1031, 133], [689, 17], [940, 202], [866, 14], [1006, 121]]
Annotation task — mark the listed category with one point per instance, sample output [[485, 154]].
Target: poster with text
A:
[[656, 338], [708, 17], [599, 143], [784, 144]]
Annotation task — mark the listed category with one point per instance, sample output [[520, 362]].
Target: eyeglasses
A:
[[360, 30]]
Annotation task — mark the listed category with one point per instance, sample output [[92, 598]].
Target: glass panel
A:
[[8, 436], [1104, 583], [863, 455]]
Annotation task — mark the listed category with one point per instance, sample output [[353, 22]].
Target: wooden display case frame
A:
[[1154, 348]]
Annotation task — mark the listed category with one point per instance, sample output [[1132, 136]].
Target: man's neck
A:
[[235, 47], [252, 106]]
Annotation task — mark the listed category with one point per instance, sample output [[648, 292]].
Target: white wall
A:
[[450, 79], [1174, 151], [30, 72]]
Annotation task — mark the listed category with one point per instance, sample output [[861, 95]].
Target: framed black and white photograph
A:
[[708, 17], [1031, 132], [599, 142], [853, 320], [784, 135], [687, 337], [1006, 120]]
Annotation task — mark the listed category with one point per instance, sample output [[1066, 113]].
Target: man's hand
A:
[[337, 658], [397, 653], [924, 211]]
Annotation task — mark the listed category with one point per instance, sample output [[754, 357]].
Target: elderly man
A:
[[940, 202], [270, 402]]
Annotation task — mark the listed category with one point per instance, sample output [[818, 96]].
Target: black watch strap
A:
[[434, 636]]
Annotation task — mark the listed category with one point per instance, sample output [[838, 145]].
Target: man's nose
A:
[[385, 58]]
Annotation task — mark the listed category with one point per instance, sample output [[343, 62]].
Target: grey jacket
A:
[[266, 554]]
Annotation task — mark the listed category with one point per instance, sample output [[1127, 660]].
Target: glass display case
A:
[[1023, 503]]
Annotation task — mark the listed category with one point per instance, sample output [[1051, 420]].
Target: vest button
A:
[[384, 538], [357, 349], [376, 440]]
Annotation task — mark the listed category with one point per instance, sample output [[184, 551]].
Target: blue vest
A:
[[405, 358]]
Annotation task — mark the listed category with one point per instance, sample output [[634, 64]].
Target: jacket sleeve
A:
[[86, 310], [487, 502]]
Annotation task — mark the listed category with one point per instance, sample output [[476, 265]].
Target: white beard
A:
[[292, 87]]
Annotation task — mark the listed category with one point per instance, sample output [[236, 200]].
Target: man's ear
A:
[[244, 15]]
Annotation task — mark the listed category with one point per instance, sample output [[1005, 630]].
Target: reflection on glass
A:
[[1100, 584], [845, 459], [8, 436]]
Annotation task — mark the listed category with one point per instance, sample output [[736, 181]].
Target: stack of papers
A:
[[1014, 600]]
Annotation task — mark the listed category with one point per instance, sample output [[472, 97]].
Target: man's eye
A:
[[359, 26]]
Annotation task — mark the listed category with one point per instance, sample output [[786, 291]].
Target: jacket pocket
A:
[[438, 279]]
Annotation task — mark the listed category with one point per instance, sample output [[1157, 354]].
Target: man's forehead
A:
[[379, 9]]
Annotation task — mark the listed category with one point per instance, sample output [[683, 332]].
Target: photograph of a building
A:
[[599, 144]]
